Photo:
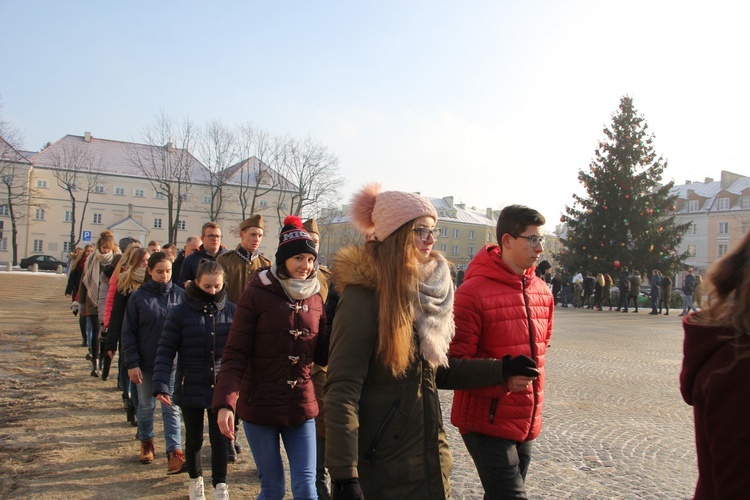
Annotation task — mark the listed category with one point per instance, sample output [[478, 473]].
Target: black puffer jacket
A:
[[197, 330], [145, 315], [190, 265]]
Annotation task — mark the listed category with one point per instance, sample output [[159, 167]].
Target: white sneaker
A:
[[196, 489], [221, 492]]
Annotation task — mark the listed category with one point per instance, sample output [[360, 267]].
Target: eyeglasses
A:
[[213, 236], [425, 233], [534, 241]]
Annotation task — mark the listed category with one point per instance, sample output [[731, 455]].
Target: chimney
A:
[[448, 200], [170, 147], [87, 137], [489, 213], [687, 183], [708, 180]]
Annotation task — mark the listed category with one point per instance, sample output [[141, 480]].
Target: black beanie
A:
[[293, 240]]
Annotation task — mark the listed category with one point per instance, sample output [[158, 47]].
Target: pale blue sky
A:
[[492, 102]]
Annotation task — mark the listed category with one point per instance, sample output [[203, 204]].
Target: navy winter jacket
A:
[[197, 330], [145, 315], [190, 266]]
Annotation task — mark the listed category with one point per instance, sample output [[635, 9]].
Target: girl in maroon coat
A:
[[715, 379], [277, 332]]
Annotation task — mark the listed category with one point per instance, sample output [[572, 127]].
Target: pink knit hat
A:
[[380, 213]]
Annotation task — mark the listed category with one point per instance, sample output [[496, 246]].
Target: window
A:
[[181, 225], [41, 183], [138, 193], [120, 191], [263, 204], [38, 246], [443, 232], [66, 246], [4, 245], [723, 249], [39, 214], [471, 252], [489, 237], [5, 210], [691, 250], [745, 226], [184, 197], [99, 189], [207, 199], [456, 233], [723, 203], [472, 236], [745, 202], [159, 195], [693, 229], [693, 206], [97, 219], [157, 223], [68, 216], [454, 250], [723, 228], [443, 248]]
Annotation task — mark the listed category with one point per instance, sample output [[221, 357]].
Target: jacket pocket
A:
[[182, 382], [371, 450], [493, 409]]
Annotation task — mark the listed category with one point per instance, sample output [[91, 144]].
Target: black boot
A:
[[94, 373], [107, 363]]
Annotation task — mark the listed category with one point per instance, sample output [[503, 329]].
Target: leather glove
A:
[[346, 489], [520, 365]]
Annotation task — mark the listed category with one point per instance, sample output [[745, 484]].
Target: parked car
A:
[[45, 262]]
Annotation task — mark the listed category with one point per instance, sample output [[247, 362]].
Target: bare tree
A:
[[14, 181], [258, 171], [78, 173], [313, 173], [166, 161], [218, 151]]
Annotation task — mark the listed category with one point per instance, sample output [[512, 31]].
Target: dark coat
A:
[[635, 285], [145, 315], [717, 385], [272, 343], [190, 266], [196, 330], [116, 319]]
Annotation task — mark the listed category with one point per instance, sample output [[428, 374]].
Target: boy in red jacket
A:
[[503, 310]]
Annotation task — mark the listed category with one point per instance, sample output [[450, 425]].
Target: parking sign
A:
[[86, 236]]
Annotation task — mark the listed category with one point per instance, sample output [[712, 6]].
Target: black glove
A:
[[346, 489], [520, 365]]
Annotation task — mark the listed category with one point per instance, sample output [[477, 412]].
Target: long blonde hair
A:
[[80, 256], [395, 262], [126, 282]]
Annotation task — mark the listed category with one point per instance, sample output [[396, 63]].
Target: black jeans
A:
[[193, 418], [501, 464]]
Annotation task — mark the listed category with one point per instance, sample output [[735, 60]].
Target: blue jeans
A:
[[299, 443], [501, 464], [170, 415], [687, 304]]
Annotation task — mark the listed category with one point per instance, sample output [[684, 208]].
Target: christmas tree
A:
[[627, 217]]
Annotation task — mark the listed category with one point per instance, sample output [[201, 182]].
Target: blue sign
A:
[[86, 236]]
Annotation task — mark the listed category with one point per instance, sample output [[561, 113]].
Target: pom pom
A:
[[293, 220], [362, 206]]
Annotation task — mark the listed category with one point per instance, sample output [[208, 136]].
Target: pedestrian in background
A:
[[665, 294], [698, 292], [715, 379], [655, 291], [688, 288], [607, 291]]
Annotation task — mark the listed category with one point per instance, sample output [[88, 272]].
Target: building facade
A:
[[103, 178]]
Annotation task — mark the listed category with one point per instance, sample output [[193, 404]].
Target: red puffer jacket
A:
[[498, 313], [272, 342]]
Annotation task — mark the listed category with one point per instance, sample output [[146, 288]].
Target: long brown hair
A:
[[729, 296], [395, 263], [126, 282]]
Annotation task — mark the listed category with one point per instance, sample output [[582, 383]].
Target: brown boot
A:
[[147, 452], [176, 462]]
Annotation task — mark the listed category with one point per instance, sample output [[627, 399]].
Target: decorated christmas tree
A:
[[627, 216]]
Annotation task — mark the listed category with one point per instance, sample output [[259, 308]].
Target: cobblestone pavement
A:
[[615, 425]]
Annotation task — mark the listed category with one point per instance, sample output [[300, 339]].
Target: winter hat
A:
[[293, 240], [311, 226], [252, 221], [380, 213]]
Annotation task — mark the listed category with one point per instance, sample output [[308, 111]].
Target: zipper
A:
[[370, 453], [493, 409], [532, 346]]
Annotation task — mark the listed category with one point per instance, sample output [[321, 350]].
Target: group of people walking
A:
[[239, 337]]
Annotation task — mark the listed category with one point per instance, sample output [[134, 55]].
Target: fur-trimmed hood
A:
[[351, 266]]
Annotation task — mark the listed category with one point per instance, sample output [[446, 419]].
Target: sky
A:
[[491, 102]]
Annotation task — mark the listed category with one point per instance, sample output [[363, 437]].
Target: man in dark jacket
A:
[[687, 289], [191, 245], [623, 283], [635, 289], [210, 249], [655, 289]]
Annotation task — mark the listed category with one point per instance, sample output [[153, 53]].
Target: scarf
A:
[[433, 311], [295, 289], [94, 265], [139, 275]]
